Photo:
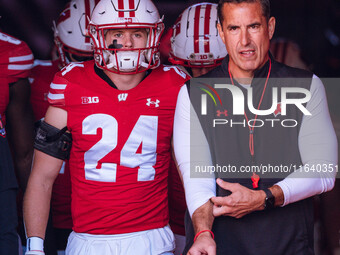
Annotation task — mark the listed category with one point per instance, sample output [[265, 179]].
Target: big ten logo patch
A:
[[89, 100]]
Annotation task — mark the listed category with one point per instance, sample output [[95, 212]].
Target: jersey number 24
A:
[[144, 131]]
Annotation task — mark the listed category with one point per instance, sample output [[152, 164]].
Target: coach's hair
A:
[[265, 4]]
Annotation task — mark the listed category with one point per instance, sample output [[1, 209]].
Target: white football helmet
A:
[[70, 32], [123, 14], [195, 41]]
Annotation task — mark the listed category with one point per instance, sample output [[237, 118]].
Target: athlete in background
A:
[[16, 127]]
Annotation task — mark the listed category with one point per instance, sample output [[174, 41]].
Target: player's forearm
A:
[[36, 207], [25, 149], [203, 218], [20, 128], [22, 167], [38, 193], [21, 142]]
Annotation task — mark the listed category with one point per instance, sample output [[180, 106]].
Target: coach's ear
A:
[[220, 32], [271, 27]]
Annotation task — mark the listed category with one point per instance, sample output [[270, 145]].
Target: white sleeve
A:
[[197, 190], [318, 149]]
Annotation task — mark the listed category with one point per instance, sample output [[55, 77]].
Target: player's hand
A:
[[240, 202], [204, 245], [34, 253]]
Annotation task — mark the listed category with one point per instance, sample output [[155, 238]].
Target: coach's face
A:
[[246, 34]]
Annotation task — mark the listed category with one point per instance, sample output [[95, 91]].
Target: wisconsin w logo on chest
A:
[[122, 97]]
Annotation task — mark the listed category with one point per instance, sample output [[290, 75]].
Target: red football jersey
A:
[[16, 61], [40, 79], [120, 154]]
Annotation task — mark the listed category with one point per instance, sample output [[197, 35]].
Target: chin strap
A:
[[125, 59]]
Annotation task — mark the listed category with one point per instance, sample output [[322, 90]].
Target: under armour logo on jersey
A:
[[122, 97], [278, 110], [219, 113], [149, 102], [90, 100]]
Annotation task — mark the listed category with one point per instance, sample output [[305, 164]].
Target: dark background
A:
[[313, 24]]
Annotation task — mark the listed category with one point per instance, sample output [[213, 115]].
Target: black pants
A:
[[9, 243]]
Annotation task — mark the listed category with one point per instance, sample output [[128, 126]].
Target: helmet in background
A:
[[70, 32], [195, 41]]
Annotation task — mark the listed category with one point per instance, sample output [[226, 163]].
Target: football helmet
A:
[[125, 14], [195, 41], [70, 32]]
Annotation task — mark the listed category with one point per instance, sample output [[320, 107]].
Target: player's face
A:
[[246, 34], [128, 38]]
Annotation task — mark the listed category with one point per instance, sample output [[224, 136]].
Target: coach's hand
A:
[[240, 202]]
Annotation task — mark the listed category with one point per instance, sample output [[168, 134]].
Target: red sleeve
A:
[[20, 61], [56, 95]]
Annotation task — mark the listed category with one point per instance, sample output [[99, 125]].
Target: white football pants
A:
[[151, 242]]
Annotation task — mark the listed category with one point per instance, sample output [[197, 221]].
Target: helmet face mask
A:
[[195, 41], [70, 33], [115, 56]]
